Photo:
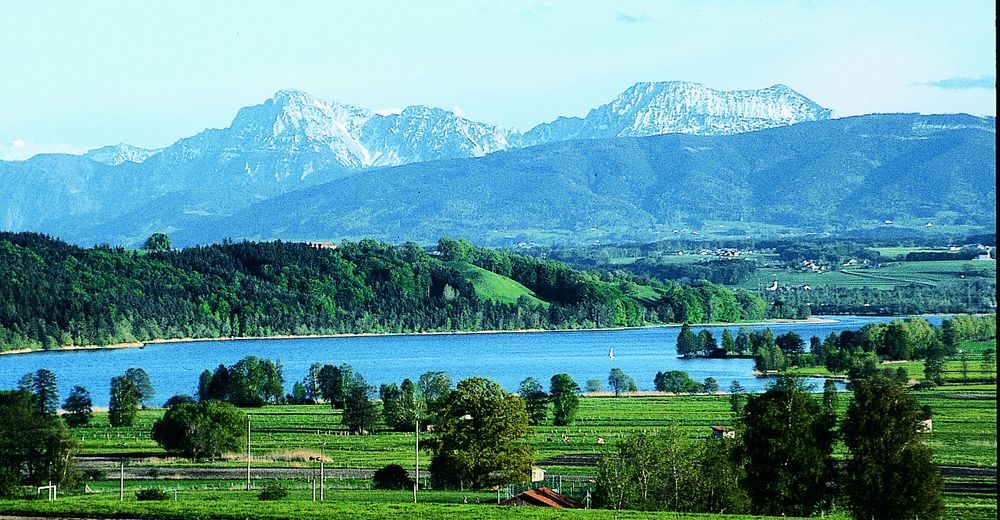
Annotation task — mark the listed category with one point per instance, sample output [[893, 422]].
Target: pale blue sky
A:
[[76, 75]]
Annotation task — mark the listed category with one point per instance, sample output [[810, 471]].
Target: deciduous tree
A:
[[34, 444], [200, 430], [143, 384], [481, 437], [78, 407], [41, 385], [619, 381], [563, 392], [536, 400], [360, 412], [890, 473], [787, 446], [124, 403], [687, 342]]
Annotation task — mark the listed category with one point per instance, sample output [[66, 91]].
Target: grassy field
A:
[[964, 434], [242, 505], [491, 286]]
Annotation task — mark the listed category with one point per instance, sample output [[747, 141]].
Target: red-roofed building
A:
[[723, 432], [542, 497]]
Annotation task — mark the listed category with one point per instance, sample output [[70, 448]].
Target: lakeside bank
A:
[[141, 344]]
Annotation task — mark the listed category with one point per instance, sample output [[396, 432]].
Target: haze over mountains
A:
[[768, 156]]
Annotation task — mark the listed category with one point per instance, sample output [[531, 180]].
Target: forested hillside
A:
[[879, 174], [55, 294]]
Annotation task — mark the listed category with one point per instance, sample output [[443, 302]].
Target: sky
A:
[[79, 75]]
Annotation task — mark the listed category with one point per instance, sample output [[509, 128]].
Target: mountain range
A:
[[296, 167]]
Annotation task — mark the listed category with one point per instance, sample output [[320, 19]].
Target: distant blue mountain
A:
[[901, 170], [769, 156]]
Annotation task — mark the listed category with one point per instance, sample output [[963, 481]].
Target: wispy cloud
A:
[[960, 83], [534, 8], [630, 18], [19, 150]]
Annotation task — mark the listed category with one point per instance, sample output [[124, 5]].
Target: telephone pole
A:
[[416, 457], [248, 452]]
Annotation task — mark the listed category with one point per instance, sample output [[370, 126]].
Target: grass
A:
[[492, 286], [887, 277], [361, 505], [964, 434], [891, 253]]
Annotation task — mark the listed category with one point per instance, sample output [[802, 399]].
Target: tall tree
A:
[[389, 394], [890, 473], [536, 400], [706, 343], [989, 364], [618, 381], [736, 394], [934, 362], [143, 384], [434, 388], [157, 242], [481, 437], [410, 406], [791, 344], [311, 383], [41, 385], [360, 413], [331, 385], [742, 341], [687, 342], [78, 406], [830, 399], [124, 403], [34, 444], [563, 392], [787, 447], [205, 385], [728, 344]]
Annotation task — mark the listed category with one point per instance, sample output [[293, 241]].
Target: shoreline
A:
[[141, 344]]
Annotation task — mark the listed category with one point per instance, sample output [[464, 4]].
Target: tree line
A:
[[780, 462], [59, 294], [847, 351]]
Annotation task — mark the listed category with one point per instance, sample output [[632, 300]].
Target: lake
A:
[[506, 358]]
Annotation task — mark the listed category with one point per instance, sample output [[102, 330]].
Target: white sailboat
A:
[[611, 354]]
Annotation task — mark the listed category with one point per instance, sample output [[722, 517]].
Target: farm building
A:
[[542, 497], [723, 432]]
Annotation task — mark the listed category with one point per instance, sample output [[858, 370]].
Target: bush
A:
[[8, 483], [272, 491], [925, 385], [178, 399], [392, 476], [151, 494]]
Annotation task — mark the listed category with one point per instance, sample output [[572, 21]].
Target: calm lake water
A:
[[507, 358]]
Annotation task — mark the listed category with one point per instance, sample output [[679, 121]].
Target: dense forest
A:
[[56, 294]]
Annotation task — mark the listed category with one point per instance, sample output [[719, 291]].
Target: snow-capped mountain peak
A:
[[120, 153], [650, 108]]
